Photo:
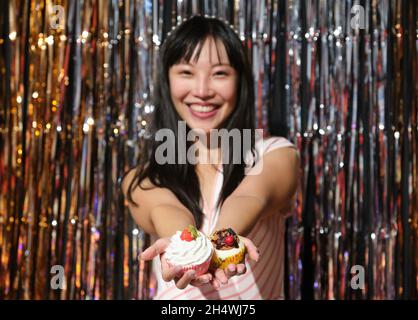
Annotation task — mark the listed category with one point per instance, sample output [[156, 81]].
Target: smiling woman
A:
[[205, 80]]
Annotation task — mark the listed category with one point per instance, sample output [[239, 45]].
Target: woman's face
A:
[[204, 92]]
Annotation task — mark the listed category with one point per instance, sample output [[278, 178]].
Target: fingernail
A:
[[231, 268], [204, 280]]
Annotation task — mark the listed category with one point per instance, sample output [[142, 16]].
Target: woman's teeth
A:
[[198, 108]]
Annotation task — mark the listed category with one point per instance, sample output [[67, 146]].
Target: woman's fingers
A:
[[168, 272], [235, 270], [155, 249], [252, 250], [201, 280], [241, 268], [215, 283], [221, 276], [187, 277], [231, 270]]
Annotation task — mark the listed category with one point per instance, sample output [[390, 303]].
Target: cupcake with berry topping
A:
[[191, 250], [229, 248]]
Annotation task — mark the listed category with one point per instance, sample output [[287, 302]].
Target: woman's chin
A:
[[202, 126]]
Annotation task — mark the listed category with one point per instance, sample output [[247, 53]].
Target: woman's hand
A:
[[182, 279], [222, 276]]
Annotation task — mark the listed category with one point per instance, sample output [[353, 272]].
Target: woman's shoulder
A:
[[265, 145], [270, 143], [130, 176]]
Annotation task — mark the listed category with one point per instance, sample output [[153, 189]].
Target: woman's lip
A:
[[203, 105], [203, 115]]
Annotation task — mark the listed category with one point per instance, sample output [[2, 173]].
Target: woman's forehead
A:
[[209, 51]]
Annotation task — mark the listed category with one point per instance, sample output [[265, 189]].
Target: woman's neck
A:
[[207, 155]]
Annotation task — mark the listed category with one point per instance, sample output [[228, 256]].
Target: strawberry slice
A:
[[189, 234], [186, 235]]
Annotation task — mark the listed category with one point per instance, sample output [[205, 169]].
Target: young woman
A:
[[205, 80]]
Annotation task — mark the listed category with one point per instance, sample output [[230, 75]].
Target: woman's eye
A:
[[220, 73], [185, 72]]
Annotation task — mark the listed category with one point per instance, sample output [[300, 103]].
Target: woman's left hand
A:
[[222, 276]]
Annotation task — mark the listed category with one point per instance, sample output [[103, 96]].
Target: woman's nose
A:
[[203, 88]]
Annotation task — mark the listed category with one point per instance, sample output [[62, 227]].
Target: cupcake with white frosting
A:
[[191, 250]]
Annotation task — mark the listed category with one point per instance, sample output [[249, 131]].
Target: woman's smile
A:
[[203, 110]]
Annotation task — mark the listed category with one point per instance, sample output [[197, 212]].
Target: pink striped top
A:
[[264, 279]]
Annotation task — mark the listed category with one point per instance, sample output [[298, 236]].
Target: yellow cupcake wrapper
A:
[[223, 263]]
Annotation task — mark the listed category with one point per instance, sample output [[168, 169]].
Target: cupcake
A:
[[191, 250], [229, 248]]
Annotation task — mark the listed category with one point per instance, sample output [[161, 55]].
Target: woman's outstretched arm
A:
[[159, 212], [262, 194]]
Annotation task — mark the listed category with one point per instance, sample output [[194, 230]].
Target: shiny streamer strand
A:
[[339, 79]]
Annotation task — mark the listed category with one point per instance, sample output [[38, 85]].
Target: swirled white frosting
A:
[[185, 253]]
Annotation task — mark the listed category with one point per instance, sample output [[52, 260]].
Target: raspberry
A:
[[229, 240]]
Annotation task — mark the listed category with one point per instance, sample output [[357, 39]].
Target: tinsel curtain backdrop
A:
[[76, 82]]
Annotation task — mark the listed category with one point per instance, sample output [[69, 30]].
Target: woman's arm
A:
[[262, 194], [159, 212], [168, 218]]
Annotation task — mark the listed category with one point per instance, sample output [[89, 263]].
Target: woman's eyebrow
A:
[[219, 64]]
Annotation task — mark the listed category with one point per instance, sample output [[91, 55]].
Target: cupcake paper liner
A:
[[223, 263], [199, 268]]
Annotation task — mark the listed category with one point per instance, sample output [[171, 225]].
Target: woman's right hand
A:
[[169, 273]]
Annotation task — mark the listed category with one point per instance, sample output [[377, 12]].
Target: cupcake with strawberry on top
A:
[[191, 250], [229, 248]]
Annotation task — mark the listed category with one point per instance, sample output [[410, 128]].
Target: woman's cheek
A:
[[227, 89], [179, 86]]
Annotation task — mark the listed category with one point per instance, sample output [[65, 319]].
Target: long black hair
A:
[[182, 179]]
